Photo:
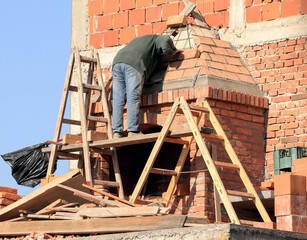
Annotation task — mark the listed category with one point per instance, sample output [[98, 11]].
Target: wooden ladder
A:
[[86, 118], [193, 114]]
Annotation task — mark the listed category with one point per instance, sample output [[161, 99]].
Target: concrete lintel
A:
[[269, 31], [79, 23]]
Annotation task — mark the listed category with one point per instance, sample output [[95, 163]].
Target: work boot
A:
[[117, 135], [131, 134]]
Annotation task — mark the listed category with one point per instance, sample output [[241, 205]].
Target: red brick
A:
[[95, 8], [127, 4], [110, 38], [218, 19], [289, 8], [289, 184], [153, 14], [271, 11], [8, 190], [303, 7], [170, 10], [159, 27], [104, 23], [173, 75], [221, 5], [234, 61], [253, 14], [126, 35], [189, 63], [190, 72], [159, 2], [221, 43], [143, 3], [144, 30], [293, 223], [290, 204], [248, 3], [192, 53], [136, 17], [257, 2], [91, 25], [111, 6], [10, 196], [5, 201], [120, 20], [96, 40]]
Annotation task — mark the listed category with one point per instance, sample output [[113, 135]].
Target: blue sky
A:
[[35, 48]]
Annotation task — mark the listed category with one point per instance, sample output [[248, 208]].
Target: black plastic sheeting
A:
[[28, 165]]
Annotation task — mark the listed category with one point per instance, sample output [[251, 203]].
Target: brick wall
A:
[[280, 69], [112, 23]]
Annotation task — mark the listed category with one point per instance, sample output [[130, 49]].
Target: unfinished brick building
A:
[[251, 67]]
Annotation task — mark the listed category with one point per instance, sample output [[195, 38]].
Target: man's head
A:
[[164, 44]]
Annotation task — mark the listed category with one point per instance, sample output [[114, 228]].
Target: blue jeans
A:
[[127, 83]]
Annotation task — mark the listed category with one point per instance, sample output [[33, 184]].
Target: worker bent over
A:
[[132, 66]]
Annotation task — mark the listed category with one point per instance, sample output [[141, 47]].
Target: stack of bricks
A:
[[290, 202], [8, 196]]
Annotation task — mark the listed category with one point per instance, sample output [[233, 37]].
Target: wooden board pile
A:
[[68, 206]]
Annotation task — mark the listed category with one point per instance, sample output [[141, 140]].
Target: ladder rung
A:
[[226, 165], [240, 194], [87, 59], [69, 121], [92, 87], [212, 136], [97, 119], [198, 108], [106, 183], [65, 155], [163, 171]]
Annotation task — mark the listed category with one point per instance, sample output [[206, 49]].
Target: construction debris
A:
[[66, 205]]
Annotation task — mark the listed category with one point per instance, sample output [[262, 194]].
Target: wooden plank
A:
[[163, 172], [71, 138], [196, 221], [154, 153], [37, 216], [110, 195], [56, 203], [92, 87], [198, 108], [106, 183], [43, 196], [175, 140], [89, 197], [209, 162], [234, 158], [91, 136], [52, 158], [240, 194], [118, 212], [125, 141], [90, 226]]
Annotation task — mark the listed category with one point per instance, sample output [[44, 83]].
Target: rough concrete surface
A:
[[208, 232]]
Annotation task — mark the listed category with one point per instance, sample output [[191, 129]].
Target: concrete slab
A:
[[210, 231]]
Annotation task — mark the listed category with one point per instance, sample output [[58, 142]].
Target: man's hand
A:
[[177, 51]]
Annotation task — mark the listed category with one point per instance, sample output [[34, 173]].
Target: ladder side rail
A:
[[88, 106], [83, 119], [209, 162], [52, 158], [106, 114], [235, 160], [182, 158], [154, 153]]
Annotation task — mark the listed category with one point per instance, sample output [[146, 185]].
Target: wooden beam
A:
[[89, 197], [110, 195], [117, 212], [163, 171], [90, 226]]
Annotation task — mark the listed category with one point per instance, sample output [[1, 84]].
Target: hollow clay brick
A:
[[289, 184]]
